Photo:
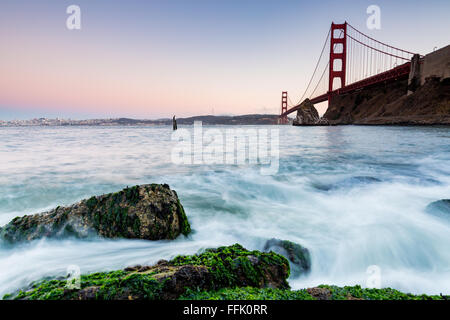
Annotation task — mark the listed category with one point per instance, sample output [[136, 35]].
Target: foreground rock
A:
[[440, 208], [298, 256], [307, 115], [224, 267], [225, 273], [322, 292], [151, 212]]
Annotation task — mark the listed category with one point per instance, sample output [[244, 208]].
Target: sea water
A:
[[355, 196]]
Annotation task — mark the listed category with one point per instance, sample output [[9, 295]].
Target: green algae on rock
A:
[[236, 266], [151, 212], [318, 293], [225, 273], [212, 270], [357, 293], [248, 293]]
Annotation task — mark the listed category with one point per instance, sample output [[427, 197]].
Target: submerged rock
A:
[[224, 267], [440, 208], [298, 256], [352, 182], [151, 212]]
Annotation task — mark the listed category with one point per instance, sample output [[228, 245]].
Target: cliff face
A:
[[427, 101], [390, 104]]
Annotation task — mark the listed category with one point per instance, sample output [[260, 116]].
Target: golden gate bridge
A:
[[355, 61]]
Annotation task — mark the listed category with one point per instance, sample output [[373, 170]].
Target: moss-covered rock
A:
[[225, 273], [325, 292], [232, 266], [151, 212], [298, 256], [248, 293], [318, 293], [236, 266]]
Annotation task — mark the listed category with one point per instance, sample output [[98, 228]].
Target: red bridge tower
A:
[[284, 108], [338, 53]]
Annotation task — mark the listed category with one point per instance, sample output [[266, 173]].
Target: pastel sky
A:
[[153, 59]]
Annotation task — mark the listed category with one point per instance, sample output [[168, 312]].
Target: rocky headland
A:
[[390, 105], [386, 104]]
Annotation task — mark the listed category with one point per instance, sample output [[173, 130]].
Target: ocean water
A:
[[354, 196]]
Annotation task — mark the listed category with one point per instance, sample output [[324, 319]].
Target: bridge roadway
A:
[[398, 73]]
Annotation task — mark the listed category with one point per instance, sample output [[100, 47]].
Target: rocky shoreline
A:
[[154, 212], [385, 104], [225, 273]]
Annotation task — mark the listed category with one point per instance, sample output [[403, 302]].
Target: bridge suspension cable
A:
[[356, 59], [323, 82], [379, 42], [320, 82], [317, 66], [367, 57]]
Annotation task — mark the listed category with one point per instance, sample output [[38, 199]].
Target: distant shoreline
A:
[[250, 119]]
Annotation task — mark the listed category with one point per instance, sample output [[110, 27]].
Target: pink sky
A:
[[155, 59]]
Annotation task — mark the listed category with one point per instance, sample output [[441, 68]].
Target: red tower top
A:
[[338, 52]]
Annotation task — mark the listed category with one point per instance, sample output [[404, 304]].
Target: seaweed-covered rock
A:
[[236, 266], [298, 256], [322, 292], [232, 266], [151, 212], [440, 208]]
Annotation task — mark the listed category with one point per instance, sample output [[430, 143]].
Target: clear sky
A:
[[155, 58]]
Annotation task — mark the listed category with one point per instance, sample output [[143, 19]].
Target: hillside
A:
[[430, 104], [250, 119]]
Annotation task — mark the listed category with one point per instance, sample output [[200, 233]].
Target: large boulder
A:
[[298, 256], [307, 115], [151, 212], [224, 267]]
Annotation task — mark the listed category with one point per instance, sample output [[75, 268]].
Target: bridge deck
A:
[[394, 74]]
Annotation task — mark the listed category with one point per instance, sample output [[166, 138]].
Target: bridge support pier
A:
[[414, 74]]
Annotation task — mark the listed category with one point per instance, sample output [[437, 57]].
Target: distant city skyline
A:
[[154, 59]]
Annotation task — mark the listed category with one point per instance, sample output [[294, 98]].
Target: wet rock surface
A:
[[298, 256], [440, 208], [151, 212]]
